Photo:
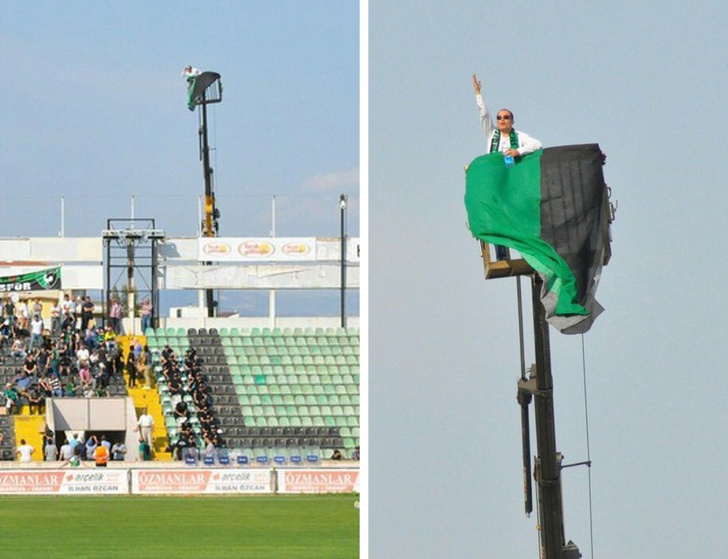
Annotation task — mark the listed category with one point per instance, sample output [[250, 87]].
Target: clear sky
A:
[[94, 112], [647, 81]]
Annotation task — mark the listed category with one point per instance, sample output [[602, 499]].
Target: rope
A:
[[588, 448]]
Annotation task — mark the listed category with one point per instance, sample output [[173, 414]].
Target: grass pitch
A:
[[255, 527]]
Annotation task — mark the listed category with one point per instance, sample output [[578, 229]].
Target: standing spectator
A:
[[145, 426], [146, 312], [91, 445], [55, 319], [9, 310], [25, 451], [75, 441], [37, 307], [115, 313], [87, 313], [66, 304], [101, 456], [105, 443], [131, 370], [145, 361], [145, 451], [23, 315], [118, 451], [66, 451], [36, 332], [75, 460], [50, 451]]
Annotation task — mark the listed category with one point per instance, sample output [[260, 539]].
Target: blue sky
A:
[[645, 80], [95, 113]]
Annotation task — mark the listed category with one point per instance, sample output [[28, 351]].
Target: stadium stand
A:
[[277, 395]]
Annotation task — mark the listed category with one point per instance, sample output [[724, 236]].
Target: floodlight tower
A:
[[204, 88]]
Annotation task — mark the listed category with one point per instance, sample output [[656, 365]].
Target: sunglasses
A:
[[503, 117]]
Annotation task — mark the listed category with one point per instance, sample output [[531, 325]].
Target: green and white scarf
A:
[[495, 142]]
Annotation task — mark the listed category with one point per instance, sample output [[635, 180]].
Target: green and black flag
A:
[[40, 280], [552, 207]]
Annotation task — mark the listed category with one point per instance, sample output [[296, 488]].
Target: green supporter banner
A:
[[550, 208], [41, 280]]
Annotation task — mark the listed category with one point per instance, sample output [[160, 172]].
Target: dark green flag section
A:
[[197, 85], [551, 207], [41, 280]]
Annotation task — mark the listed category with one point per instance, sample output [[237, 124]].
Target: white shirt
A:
[[146, 420], [526, 144], [82, 354], [25, 451]]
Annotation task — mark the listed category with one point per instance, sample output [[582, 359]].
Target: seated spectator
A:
[[22, 382], [336, 455], [181, 411], [30, 365], [36, 400], [12, 398], [17, 351], [71, 389], [44, 386], [355, 454], [85, 377], [56, 386], [82, 354]]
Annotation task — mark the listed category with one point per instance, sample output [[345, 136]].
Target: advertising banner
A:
[[264, 249], [80, 481], [318, 481], [212, 481]]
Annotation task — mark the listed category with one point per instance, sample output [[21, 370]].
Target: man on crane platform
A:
[[503, 138]]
